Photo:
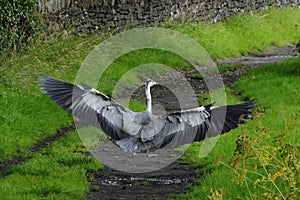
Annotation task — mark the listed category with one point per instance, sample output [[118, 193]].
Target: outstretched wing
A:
[[92, 107], [191, 125], [203, 122]]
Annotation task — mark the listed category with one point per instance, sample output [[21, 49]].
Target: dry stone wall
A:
[[87, 16]]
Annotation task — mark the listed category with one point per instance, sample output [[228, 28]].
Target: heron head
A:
[[150, 83]]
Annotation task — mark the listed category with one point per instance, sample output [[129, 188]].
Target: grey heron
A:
[[136, 132]]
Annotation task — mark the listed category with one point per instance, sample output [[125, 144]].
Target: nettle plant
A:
[[17, 23]]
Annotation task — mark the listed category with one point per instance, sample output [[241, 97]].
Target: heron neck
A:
[[149, 99]]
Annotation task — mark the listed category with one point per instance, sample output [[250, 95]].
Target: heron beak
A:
[[155, 83]]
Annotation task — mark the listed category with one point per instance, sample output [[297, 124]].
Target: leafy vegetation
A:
[[58, 172], [18, 23]]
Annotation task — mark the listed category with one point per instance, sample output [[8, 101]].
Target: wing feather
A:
[[92, 107], [197, 124]]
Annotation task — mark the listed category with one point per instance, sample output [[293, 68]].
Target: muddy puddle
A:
[[112, 184]]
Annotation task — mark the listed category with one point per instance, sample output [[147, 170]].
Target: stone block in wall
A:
[[110, 24]]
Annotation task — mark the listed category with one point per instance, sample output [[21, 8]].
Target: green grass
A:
[[245, 34], [134, 59], [231, 67], [265, 164], [27, 116], [57, 172]]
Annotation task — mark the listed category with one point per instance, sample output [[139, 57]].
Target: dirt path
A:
[[113, 184]]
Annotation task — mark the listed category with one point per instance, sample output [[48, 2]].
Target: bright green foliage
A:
[[245, 34], [17, 23]]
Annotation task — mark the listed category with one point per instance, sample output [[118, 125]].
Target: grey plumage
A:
[[140, 131]]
